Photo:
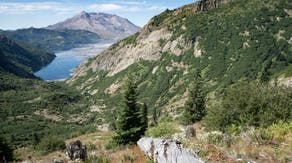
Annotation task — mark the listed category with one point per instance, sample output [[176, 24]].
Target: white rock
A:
[[167, 151]]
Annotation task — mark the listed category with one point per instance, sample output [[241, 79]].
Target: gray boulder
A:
[[75, 150], [190, 132], [167, 151]]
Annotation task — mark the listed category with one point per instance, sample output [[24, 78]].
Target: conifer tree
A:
[[265, 74], [144, 119], [155, 115], [6, 152], [129, 116], [195, 105]]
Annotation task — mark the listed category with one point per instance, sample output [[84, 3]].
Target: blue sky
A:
[[15, 14]]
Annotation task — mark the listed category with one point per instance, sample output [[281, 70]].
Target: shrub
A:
[[99, 159], [266, 135], [279, 131], [162, 130], [112, 144], [250, 104], [51, 144], [129, 158], [215, 138]]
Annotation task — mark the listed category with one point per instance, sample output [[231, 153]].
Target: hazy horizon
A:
[[16, 14]]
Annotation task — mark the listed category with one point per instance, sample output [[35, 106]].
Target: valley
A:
[[210, 78]]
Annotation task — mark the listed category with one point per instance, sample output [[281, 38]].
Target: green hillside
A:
[[230, 65], [30, 108], [238, 41], [20, 59], [51, 40]]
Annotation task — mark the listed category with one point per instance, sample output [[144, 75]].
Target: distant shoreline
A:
[[60, 69]]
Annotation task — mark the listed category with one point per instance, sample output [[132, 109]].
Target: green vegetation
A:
[[239, 41], [131, 123], [250, 104], [51, 40], [159, 19], [163, 129], [144, 119], [6, 152], [242, 42], [32, 109], [99, 159], [244, 45], [131, 39], [21, 60], [195, 106], [279, 131], [51, 144]]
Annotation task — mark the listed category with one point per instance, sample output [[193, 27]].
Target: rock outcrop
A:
[[167, 151], [190, 132], [76, 150], [205, 5]]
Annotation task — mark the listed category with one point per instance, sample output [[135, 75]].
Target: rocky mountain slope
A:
[[227, 43], [105, 25], [21, 59], [51, 40]]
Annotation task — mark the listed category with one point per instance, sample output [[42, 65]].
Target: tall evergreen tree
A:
[[129, 116], [195, 108], [265, 74], [6, 152], [144, 119], [155, 118]]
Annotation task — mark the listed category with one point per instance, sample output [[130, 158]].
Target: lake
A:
[[61, 67]]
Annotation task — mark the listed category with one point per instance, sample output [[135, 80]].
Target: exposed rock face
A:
[[105, 25], [76, 150], [205, 5], [167, 151], [116, 60]]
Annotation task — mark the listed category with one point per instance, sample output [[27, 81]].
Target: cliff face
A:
[[230, 42]]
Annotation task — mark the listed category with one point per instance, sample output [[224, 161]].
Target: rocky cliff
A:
[[105, 25]]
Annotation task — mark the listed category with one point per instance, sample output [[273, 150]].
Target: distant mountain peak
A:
[[107, 26], [83, 12]]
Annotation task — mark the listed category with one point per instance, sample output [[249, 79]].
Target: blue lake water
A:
[[61, 67]]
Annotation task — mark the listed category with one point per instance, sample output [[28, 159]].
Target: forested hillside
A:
[[51, 40], [21, 59], [31, 108], [238, 41], [214, 76]]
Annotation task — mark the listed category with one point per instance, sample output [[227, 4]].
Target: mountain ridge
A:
[[106, 25], [22, 60], [51, 40]]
